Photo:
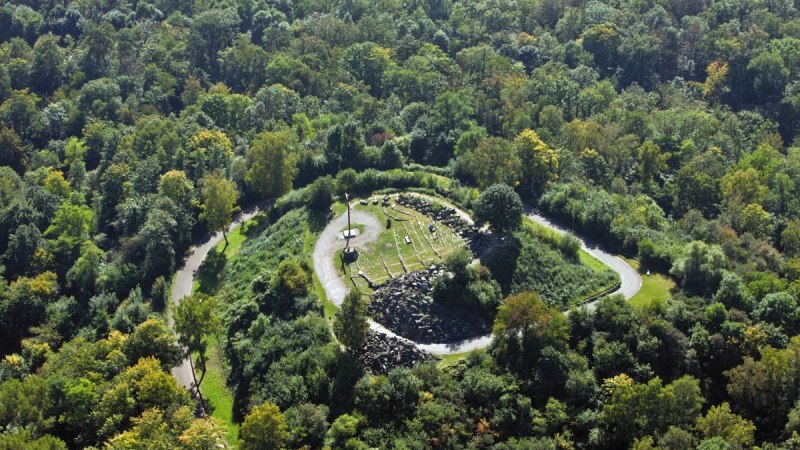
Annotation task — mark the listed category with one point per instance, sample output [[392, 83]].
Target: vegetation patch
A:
[[530, 260]]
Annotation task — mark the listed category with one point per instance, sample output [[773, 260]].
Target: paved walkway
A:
[[184, 281]]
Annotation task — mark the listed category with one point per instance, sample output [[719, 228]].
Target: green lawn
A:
[[389, 256], [235, 240], [217, 394], [655, 287], [446, 360]]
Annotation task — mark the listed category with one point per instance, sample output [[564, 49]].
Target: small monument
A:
[[350, 253]]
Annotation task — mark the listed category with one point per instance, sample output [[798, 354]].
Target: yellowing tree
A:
[[539, 162], [176, 186], [717, 73], [492, 161], [273, 165], [208, 149], [263, 429], [220, 196]]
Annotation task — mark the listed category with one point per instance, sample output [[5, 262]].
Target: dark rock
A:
[[405, 306], [382, 353]]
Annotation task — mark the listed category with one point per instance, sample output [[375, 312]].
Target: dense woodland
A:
[[666, 130]]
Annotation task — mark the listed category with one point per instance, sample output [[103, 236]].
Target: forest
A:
[[665, 131]]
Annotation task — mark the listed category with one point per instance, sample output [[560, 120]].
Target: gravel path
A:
[[336, 288], [184, 281], [330, 241]]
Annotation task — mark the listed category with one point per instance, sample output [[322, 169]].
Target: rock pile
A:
[[405, 306], [383, 353]]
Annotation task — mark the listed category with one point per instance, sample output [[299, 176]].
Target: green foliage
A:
[[351, 325], [523, 327], [700, 267], [196, 321], [272, 164], [638, 409], [719, 421], [500, 207], [647, 128], [220, 199]]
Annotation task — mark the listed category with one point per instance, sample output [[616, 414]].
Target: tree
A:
[[138, 393], [345, 147], [720, 421], [651, 162], [49, 64], [273, 165], [790, 238], [153, 338], [12, 151], [499, 206], [634, 410], [211, 32], [492, 161], [770, 76], [290, 281], [367, 62], [176, 186], [196, 320], [220, 200], [98, 50], [602, 41], [320, 193], [523, 327], [307, 425], [26, 404], [700, 266], [754, 220], [204, 434], [743, 187], [263, 429], [733, 293], [765, 390], [83, 273], [538, 160], [351, 325]]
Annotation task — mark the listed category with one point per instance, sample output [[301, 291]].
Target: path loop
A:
[[336, 288]]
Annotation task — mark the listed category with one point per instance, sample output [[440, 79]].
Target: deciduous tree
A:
[[220, 196]]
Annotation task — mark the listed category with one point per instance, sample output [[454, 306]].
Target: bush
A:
[[570, 247], [320, 193]]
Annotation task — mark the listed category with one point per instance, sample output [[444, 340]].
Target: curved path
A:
[[629, 278], [336, 288], [184, 281]]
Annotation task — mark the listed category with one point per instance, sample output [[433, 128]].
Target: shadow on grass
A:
[[209, 275], [317, 220], [502, 262]]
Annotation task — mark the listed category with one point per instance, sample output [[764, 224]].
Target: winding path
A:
[[184, 281], [336, 288]]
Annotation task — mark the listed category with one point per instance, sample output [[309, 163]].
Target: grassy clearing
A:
[[656, 287], [389, 256], [446, 360]]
